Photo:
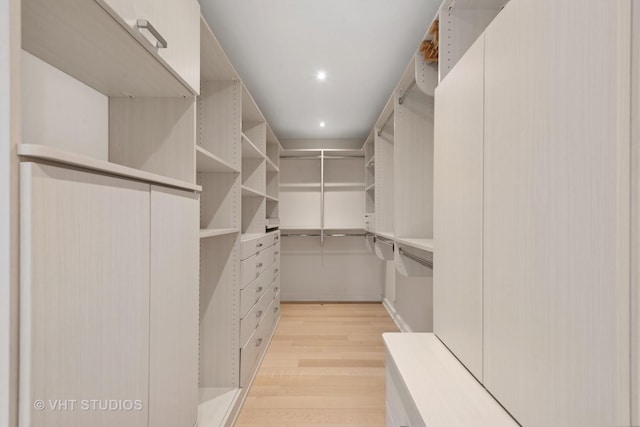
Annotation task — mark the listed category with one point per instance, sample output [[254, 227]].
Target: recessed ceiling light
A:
[[322, 124], [321, 75]]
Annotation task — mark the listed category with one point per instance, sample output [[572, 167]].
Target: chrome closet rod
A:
[[326, 235], [417, 259], [320, 157], [406, 92]]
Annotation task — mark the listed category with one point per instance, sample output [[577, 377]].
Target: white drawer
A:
[[276, 307], [250, 295], [251, 352], [248, 358], [276, 253], [274, 289], [251, 320], [252, 246]]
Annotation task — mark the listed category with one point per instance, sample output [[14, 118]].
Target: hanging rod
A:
[[325, 235], [320, 157], [406, 92], [426, 263]]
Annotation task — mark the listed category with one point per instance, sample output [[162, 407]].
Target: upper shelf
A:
[[214, 63], [208, 162], [55, 155], [83, 40], [249, 150]]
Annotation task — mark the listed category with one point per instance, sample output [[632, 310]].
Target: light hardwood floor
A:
[[324, 367]]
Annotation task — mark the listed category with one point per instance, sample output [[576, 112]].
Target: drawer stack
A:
[[259, 299]]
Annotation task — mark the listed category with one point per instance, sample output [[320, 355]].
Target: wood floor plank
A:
[[324, 367]]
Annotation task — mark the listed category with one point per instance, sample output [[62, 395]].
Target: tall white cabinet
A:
[[536, 186]]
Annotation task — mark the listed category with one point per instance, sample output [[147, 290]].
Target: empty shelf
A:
[[250, 192], [208, 162], [55, 155], [249, 150], [212, 232]]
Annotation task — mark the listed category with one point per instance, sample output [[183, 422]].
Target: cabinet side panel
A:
[[457, 292], [173, 380]]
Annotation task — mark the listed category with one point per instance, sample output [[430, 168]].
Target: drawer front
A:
[[275, 288], [249, 271], [251, 352], [249, 358], [276, 307], [253, 318], [250, 295], [276, 254]]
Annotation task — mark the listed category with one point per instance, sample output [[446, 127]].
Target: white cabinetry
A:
[[556, 212], [459, 137], [85, 256]]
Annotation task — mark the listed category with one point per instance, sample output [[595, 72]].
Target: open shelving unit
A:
[[219, 165]]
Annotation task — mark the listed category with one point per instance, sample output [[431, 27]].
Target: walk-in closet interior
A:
[[190, 236]]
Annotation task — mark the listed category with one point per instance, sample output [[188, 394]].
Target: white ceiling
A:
[[278, 46]]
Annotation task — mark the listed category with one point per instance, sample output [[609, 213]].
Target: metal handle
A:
[[258, 342], [258, 314], [161, 43], [275, 290], [383, 241], [275, 309], [259, 289], [277, 253], [275, 271], [259, 265], [259, 245]]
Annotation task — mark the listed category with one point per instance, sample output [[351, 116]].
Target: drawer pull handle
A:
[[258, 342], [277, 253], [259, 265], [275, 310], [161, 43], [259, 289], [275, 289], [259, 245], [275, 271], [258, 314]]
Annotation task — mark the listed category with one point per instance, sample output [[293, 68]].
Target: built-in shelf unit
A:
[[233, 169]]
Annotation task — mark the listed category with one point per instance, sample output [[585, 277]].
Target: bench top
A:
[[443, 391]]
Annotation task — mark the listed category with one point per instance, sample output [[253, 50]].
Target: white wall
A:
[[9, 136]]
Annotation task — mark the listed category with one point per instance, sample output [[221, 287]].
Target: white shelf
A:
[[249, 150], [271, 167], [371, 187], [216, 404], [213, 232], [208, 162], [55, 155], [299, 185], [344, 185], [271, 198], [250, 192], [422, 244], [249, 236], [385, 235]]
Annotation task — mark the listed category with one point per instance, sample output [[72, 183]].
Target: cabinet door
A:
[[556, 338], [84, 327], [173, 381], [179, 23]]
